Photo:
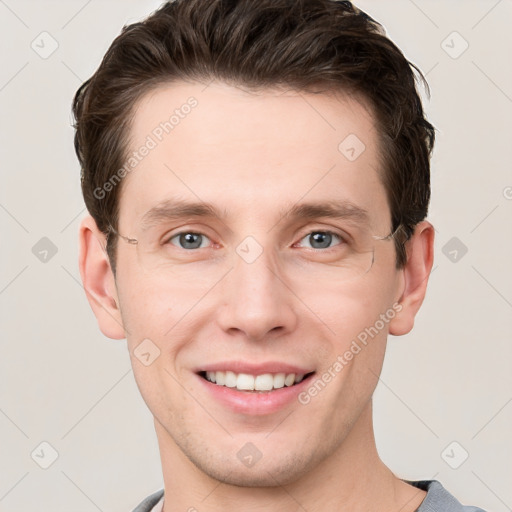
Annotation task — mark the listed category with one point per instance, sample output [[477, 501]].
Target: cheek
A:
[[357, 321], [358, 351], [151, 308], [343, 312], [157, 384], [156, 339], [161, 319]]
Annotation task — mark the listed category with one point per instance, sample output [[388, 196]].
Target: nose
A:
[[258, 302]]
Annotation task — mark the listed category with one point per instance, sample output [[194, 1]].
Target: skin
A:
[[253, 154]]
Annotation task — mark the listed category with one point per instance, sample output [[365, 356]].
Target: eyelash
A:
[[323, 231]]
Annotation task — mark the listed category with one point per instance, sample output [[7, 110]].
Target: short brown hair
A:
[[257, 44]]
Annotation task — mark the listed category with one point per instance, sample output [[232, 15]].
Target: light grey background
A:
[[62, 382]]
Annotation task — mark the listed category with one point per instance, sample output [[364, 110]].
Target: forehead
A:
[[250, 153]]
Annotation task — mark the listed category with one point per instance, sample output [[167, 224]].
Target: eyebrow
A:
[[178, 209]]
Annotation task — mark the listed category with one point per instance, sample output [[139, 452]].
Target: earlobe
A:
[[98, 279], [420, 258]]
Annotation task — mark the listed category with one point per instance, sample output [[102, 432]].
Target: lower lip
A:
[[255, 403]]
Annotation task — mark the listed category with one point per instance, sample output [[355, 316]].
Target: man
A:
[[257, 178]]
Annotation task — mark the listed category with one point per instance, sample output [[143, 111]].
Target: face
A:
[[247, 293]]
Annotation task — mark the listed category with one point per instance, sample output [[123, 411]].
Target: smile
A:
[[256, 383]]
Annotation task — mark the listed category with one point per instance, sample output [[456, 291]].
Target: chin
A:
[[272, 471], [268, 476]]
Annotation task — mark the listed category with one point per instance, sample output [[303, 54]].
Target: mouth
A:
[[248, 383]]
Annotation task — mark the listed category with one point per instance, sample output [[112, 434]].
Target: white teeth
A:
[[246, 382], [290, 379], [279, 380], [230, 381], [220, 378], [264, 382]]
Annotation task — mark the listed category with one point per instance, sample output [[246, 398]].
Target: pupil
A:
[[190, 240], [324, 239]]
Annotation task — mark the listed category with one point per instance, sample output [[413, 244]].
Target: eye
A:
[[321, 239], [315, 239], [189, 240]]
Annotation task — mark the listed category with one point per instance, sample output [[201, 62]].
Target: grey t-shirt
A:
[[438, 499]]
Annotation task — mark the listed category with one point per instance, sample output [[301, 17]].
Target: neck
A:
[[352, 479]]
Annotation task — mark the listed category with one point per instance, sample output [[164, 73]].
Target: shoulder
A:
[[438, 499], [148, 504]]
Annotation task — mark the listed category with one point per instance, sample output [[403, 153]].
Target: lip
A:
[[254, 368], [254, 403]]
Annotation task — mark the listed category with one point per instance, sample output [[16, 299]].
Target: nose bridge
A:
[[256, 300]]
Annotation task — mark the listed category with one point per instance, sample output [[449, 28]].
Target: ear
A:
[[415, 274], [98, 279]]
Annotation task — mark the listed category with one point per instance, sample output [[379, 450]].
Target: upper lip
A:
[[254, 368]]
